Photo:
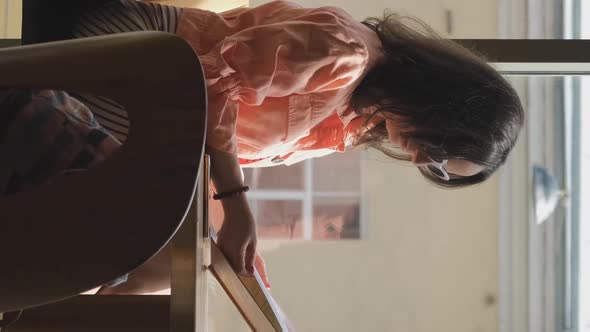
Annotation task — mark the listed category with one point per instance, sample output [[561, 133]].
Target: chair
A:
[[66, 244]]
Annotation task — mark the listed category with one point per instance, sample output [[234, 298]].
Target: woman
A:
[[286, 83]]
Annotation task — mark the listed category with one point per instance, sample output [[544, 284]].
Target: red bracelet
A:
[[226, 194]]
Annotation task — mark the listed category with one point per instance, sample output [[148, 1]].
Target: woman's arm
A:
[[237, 236]]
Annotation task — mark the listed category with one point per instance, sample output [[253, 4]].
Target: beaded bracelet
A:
[[226, 194]]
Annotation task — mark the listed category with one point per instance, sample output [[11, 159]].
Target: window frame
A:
[[539, 265], [306, 196]]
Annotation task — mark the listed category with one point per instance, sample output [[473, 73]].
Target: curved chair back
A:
[[85, 230]]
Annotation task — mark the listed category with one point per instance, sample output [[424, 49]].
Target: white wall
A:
[[212, 5], [10, 18], [429, 261], [470, 19]]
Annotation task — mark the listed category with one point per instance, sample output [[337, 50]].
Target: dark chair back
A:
[[85, 230]]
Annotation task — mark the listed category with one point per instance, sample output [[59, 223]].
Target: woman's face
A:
[[453, 167]]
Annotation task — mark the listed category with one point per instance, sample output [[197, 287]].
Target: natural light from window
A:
[[584, 309]]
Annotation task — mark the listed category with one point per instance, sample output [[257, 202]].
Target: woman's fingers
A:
[[239, 262], [237, 239], [233, 249], [250, 257], [261, 268]]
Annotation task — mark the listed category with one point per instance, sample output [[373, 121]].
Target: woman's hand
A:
[[237, 236], [237, 239], [261, 268]]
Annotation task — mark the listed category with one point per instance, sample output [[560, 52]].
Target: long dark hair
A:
[[444, 96]]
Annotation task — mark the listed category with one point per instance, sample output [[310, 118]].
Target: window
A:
[[581, 204], [545, 267], [578, 284], [317, 199]]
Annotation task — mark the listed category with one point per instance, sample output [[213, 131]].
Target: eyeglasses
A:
[[438, 169]]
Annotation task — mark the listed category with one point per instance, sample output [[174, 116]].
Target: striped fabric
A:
[[108, 113], [116, 17], [45, 134]]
